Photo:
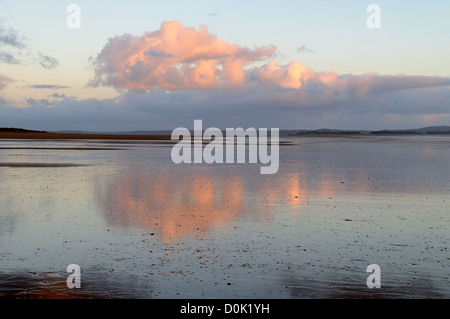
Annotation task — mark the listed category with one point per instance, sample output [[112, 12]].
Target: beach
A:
[[140, 226]]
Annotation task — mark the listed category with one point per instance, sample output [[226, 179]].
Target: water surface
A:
[[140, 226]]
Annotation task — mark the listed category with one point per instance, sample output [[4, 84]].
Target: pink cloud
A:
[[185, 58], [174, 58], [4, 81], [294, 75]]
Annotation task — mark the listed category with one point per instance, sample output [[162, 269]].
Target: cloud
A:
[[183, 74], [38, 103], [4, 81], [48, 86], [58, 96], [8, 58], [294, 75], [252, 106], [159, 54], [47, 62], [11, 37], [174, 58], [304, 48], [18, 46], [179, 58]]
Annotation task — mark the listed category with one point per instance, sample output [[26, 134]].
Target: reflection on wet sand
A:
[[176, 205], [138, 224], [340, 286], [185, 204], [37, 286], [33, 285]]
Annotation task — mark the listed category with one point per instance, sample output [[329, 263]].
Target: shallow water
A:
[[140, 226]]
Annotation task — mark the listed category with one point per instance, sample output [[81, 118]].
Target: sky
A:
[[148, 65]]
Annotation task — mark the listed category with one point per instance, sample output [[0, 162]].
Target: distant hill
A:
[[423, 130], [165, 132], [117, 133], [18, 130], [326, 131]]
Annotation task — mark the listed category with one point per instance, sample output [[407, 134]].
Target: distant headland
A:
[[19, 133], [418, 131], [18, 130]]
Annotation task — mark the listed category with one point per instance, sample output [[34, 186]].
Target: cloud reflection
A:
[[178, 205]]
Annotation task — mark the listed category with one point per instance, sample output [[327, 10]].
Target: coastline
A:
[[79, 136], [95, 136]]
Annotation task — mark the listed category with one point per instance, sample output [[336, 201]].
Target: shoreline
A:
[[132, 137], [79, 136]]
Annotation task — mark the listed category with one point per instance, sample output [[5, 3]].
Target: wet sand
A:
[[140, 226]]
